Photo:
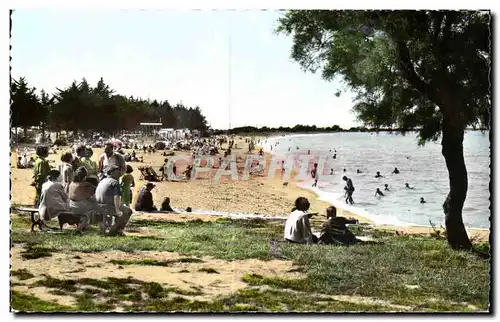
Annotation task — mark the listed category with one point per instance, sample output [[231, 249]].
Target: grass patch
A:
[[27, 303], [111, 290], [153, 262], [379, 270], [22, 274], [33, 252], [208, 270]]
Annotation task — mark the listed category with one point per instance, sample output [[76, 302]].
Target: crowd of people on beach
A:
[[101, 192], [88, 192]]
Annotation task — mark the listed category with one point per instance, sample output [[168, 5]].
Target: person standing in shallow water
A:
[[349, 189]]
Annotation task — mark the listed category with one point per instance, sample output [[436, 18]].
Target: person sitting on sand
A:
[[386, 187], [24, 162], [144, 200], [378, 175], [396, 171], [297, 225], [165, 205], [40, 171], [81, 197], [378, 192], [334, 230], [19, 164], [108, 194], [54, 199], [422, 200], [407, 185], [31, 163]]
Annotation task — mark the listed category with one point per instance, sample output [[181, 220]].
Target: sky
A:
[[229, 63]]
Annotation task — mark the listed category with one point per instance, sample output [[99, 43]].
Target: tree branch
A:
[[408, 70]]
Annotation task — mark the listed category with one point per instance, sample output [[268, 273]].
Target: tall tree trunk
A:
[[452, 150]]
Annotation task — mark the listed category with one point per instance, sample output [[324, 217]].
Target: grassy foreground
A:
[[400, 273]]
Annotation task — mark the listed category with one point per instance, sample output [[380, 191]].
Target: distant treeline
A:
[[302, 129], [80, 107]]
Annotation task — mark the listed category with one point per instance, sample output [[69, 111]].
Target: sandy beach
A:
[[258, 195]]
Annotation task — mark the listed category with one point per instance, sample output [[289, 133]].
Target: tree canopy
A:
[[81, 107], [399, 62]]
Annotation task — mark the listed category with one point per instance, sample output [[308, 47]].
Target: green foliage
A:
[[407, 67], [81, 107]]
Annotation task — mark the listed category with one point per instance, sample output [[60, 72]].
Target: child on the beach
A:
[[127, 182]]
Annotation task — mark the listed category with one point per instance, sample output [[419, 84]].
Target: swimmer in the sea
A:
[[334, 156], [345, 170], [378, 192], [288, 149], [396, 171], [407, 185], [359, 171], [386, 187], [422, 200], [379, 175], [331, 171]]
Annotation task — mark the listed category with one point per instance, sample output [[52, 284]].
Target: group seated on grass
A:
[[334, 230], [82, 193]]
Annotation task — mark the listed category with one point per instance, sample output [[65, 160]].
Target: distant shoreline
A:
[[269, 132]]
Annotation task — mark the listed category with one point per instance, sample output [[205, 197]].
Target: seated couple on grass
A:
[[334, 230], [145, 202]]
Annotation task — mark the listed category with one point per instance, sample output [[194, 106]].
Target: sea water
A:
[[423, 167]]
